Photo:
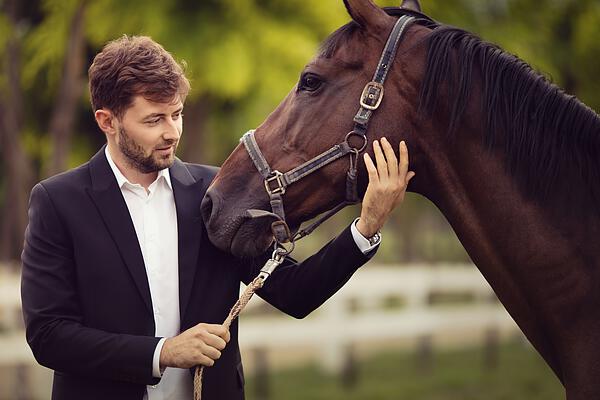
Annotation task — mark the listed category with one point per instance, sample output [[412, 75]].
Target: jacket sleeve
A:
[[298, 288], [53, 319]]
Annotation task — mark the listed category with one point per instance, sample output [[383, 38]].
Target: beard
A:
[[137, 158]]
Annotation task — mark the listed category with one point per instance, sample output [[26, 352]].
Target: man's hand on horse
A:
[[387, 185]]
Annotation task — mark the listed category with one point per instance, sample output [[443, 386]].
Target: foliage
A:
[[244, 56], [44, 47]]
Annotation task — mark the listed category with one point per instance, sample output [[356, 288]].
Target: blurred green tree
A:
[[242, 58]]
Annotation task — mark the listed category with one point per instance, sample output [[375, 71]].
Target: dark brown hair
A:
[[131, 66]]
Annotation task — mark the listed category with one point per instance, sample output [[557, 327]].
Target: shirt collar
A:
[[121, 180]]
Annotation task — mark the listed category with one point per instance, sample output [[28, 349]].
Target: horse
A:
[[509, 158]]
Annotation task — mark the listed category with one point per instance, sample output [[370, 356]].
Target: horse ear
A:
[[366, 13], [411, 5]]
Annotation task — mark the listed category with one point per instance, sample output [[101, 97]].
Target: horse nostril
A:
[[210, 206]]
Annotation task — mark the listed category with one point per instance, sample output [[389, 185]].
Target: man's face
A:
[[148, 134]]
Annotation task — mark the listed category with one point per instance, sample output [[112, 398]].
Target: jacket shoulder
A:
[[201, 171], [75, 179]]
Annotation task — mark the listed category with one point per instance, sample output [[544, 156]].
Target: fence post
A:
[[21, 383], [490, 350], [349, 369], [261, 374], [425, 354], [335, 312]]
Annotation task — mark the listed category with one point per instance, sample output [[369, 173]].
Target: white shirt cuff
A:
[[362, 242], [156, 372]]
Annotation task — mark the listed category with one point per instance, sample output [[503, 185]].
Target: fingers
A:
[[210, 351], [403, 167], [390, 156], [382, 167], [214, 335], [371, 170], [212, 340], [388, 166], [204, 360], [219, 330]]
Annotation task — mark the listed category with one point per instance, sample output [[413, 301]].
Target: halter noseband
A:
[[277, 182]]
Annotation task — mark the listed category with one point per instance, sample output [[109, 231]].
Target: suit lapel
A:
[[188, 196], [112, 207]]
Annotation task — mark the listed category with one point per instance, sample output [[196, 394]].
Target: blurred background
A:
[[421, 323]]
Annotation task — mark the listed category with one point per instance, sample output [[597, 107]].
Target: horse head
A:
[[316, 115], [509, 158]]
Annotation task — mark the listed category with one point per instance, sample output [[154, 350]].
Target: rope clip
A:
[[272, 263]]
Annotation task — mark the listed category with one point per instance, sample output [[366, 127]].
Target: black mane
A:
[[550, 140]]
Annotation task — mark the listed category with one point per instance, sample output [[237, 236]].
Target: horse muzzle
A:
[[232, 229]]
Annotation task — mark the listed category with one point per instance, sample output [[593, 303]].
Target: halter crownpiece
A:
[[372, 94], [277, 182]]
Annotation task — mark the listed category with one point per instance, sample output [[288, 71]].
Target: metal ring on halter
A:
[[363, 137], [280, 251]]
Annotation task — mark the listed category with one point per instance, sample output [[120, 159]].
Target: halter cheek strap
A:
[[372, 94], [277, 182]]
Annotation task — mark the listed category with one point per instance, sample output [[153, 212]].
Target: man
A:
[[122, 291]]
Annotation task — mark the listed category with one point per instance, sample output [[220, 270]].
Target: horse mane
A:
[[550, 139]]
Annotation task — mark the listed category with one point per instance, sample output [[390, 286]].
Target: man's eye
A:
[[153, 121], [310, 82]]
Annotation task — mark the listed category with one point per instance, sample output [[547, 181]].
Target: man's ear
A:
[[106, 121], [367, 14]]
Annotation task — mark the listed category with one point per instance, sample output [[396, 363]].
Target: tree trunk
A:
[[16, 164], [71, 86], [193, 142]]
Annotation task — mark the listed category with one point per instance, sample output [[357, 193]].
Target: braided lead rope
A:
[[239, 305]]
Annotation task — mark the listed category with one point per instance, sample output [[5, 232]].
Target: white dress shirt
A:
[[154, 218]]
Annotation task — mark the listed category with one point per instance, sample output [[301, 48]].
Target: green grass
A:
[[452, 375]]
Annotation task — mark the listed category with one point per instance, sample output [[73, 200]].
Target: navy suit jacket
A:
[[85, 294]]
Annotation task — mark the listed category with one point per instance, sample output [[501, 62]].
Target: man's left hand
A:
[[387, 186]]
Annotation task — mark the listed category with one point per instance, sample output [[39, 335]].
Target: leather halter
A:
[[277, 182]]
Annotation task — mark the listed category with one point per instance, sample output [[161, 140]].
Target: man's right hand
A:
[[199, 345]]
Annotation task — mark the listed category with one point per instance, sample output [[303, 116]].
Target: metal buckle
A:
[[279, 189], [371, 96]]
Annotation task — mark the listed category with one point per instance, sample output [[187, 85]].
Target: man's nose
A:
[[172, 131]]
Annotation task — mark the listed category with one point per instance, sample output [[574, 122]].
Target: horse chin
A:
[[248, 243]]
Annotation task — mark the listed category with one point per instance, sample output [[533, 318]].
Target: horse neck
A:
[[538, 258]]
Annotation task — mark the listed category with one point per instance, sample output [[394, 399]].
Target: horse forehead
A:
[[336, 63], [351, 53]]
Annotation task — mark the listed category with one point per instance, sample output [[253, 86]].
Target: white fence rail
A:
[[362, 311]]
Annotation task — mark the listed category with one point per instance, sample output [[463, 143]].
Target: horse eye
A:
[[310, 82]]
